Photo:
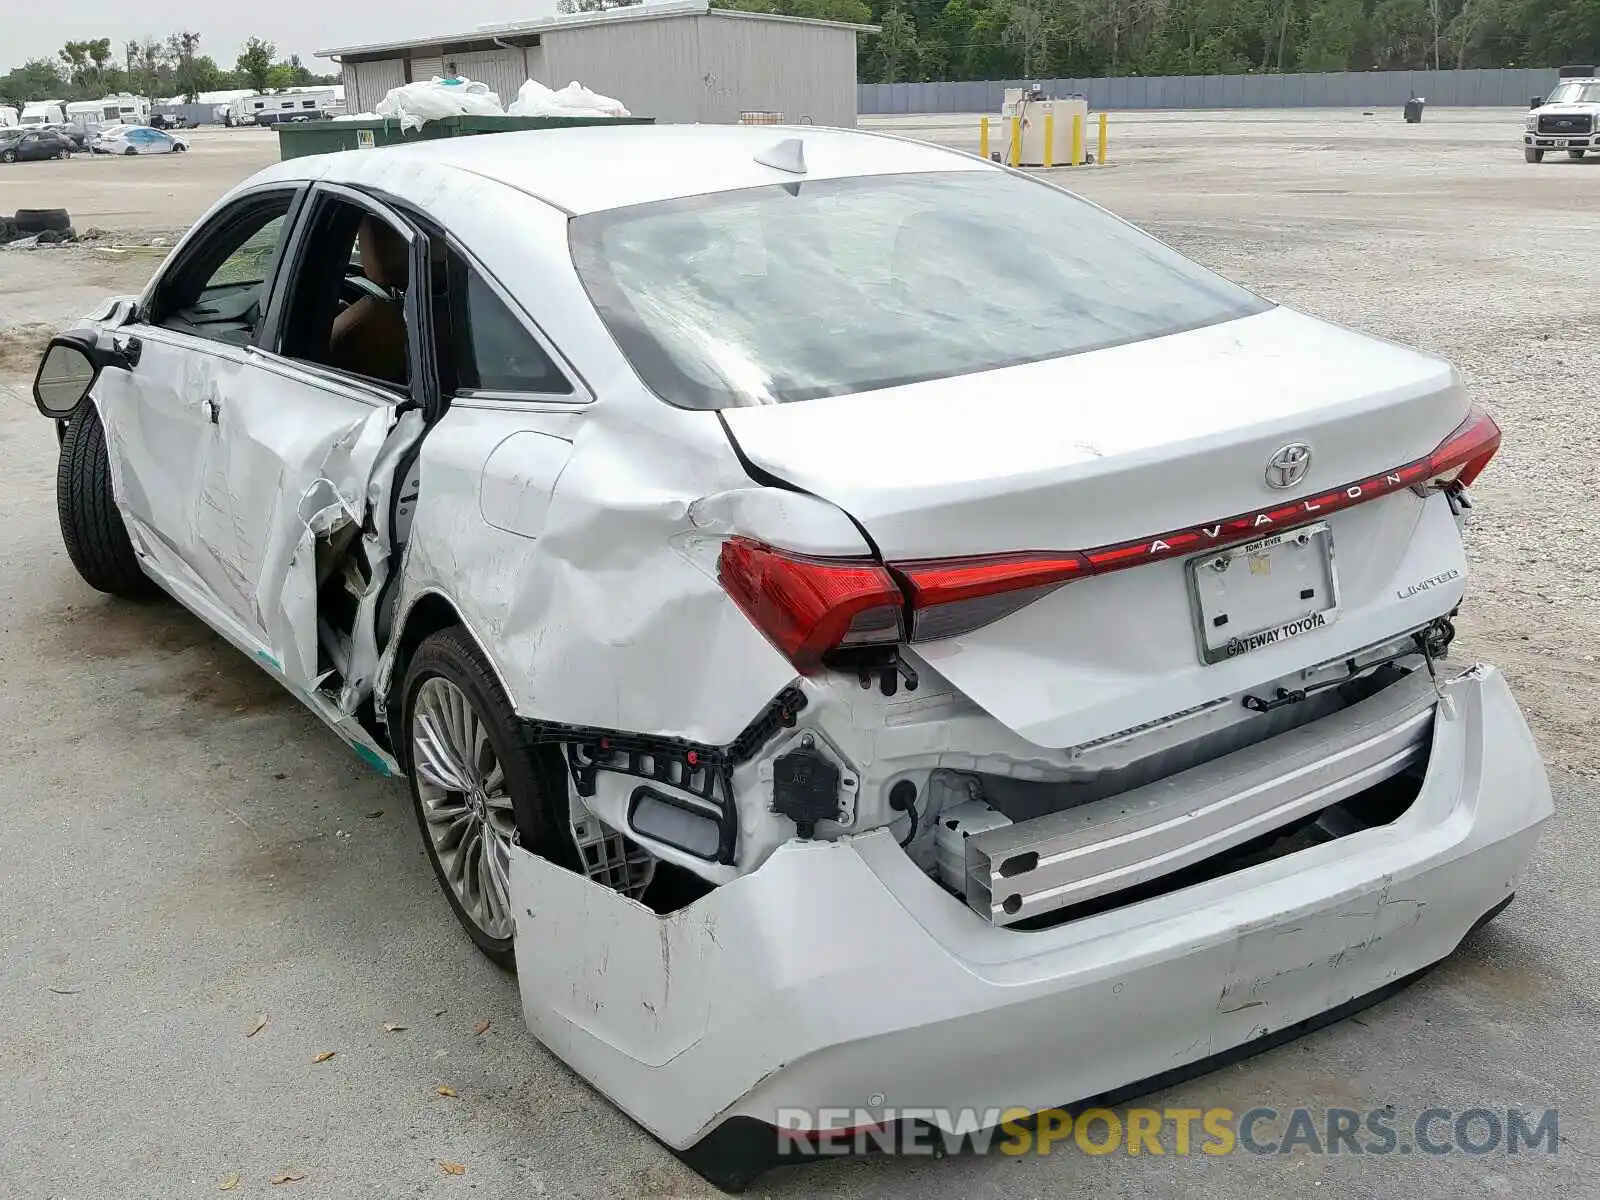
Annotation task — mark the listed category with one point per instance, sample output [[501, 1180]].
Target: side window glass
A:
[[498, 352], [219, 293], [252, 261], [346, 305]]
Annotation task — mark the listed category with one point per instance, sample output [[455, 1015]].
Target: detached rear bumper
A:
[[838, 974]]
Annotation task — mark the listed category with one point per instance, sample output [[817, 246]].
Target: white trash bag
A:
[[574, 100], [413, 104]]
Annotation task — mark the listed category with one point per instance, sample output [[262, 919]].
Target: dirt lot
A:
[[187, 851]]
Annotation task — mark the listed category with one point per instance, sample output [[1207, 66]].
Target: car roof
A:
[[588, 169]]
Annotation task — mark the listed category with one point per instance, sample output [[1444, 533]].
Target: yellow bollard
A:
[[1102, 156], [983, 138], [1077, 141], [1016, 142], [1049, 139]]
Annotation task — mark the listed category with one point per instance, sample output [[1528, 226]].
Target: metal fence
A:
[[1342, 89]]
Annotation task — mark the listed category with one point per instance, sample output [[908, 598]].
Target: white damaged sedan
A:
[[865, 628]]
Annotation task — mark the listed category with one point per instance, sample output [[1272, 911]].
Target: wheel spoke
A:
[[437, 760], [494, 783]]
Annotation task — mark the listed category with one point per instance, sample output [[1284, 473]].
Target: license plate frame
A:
[[1263, 613]]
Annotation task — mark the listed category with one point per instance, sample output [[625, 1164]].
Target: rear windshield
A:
[[807, 289]]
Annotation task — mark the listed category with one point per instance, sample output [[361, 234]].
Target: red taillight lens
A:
[[811, 606], [807, 606], [1463, 455], [952, 596]]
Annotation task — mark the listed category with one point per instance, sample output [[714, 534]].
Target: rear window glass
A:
[[823, 288]]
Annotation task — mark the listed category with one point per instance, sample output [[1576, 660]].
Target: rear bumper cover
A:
[[839, 975]]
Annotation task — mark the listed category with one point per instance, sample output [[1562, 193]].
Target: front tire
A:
[[478, 787], [1529, 154], [96, 539]]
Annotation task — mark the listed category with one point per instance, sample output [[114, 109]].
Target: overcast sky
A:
[[296, 26]]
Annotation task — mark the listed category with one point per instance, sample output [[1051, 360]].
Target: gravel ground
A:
[[188, 851]]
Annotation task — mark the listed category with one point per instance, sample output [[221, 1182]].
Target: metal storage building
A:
[[677, 61]]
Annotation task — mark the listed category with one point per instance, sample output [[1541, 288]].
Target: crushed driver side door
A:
[[305, 461]]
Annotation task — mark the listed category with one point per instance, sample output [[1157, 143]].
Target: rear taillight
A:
[[955, 595], [1462, 456], [811, 607], [807, 606]]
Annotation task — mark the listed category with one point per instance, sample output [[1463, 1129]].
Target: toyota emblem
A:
[[1288, 466]]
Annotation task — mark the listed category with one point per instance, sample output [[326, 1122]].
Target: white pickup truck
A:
[[1569, 119]]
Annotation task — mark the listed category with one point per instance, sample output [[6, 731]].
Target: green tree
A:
[[180, 54], [146, 72], [255, 63], [897, 44], [36, 79]]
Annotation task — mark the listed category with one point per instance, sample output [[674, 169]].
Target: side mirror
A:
[[66, 374], [1536, 102]]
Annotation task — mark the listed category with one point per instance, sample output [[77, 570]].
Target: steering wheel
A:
[[354, 287]]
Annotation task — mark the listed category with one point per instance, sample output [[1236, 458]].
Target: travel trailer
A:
[[275, 107], [44, 112], [89, 115]]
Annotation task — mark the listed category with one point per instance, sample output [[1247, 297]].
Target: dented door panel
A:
[[158, 438]]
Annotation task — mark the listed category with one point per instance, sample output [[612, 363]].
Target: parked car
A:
[[73, 134], [31, 145], [137, 139], [856, 620]]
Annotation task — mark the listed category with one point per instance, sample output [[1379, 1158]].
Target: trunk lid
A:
[[1122, 444]]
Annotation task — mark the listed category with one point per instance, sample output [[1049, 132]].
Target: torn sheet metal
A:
[[839, 974]]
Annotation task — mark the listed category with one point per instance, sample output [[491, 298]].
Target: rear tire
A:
[[1576, 153], [129, 150], [96, 539], [479, 788], [1529, 154]]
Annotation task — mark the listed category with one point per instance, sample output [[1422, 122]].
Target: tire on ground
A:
[[37, 220], [536, 777], [1529, 154], [96, 539]]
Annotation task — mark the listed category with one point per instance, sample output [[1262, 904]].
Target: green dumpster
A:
[[328, 137]]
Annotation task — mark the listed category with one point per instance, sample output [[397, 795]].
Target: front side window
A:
[[219, 291], [794, 291]]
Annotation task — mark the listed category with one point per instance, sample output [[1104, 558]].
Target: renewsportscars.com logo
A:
[[1175, 1131]]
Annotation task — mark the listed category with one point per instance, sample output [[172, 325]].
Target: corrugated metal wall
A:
[[502, 70], [711, 68], [425, 66], [365, 83], [652, 66], [1342, 89], [805, 72]]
